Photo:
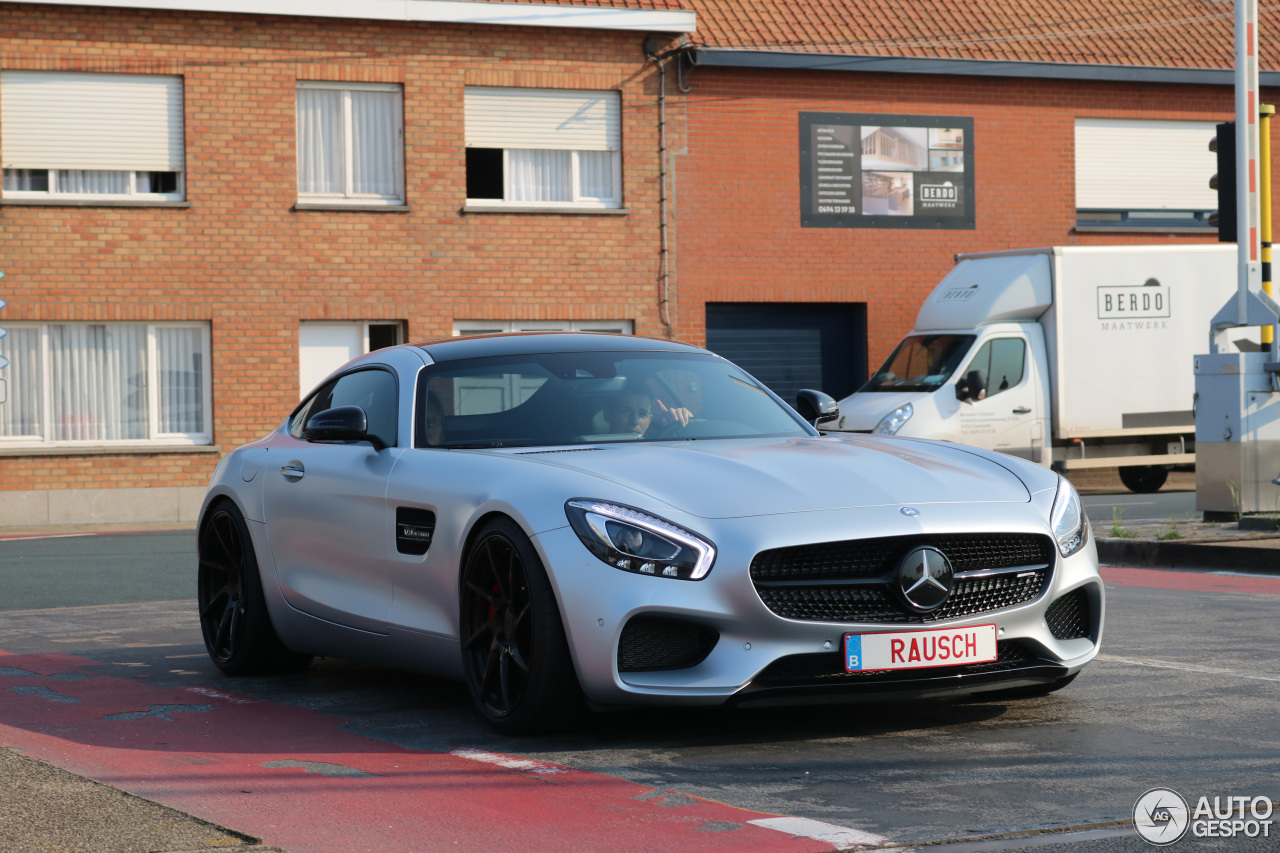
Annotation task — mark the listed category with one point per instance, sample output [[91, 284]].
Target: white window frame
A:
[[131, 194], [494, 327], [154, 436], [40, 141], [577, 199], [349, 195]]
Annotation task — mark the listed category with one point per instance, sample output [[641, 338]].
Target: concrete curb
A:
[[1188, 555]]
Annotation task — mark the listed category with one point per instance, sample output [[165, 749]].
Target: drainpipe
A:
[[651, 46]]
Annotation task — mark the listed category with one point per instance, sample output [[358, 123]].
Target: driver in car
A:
[[635, 410]]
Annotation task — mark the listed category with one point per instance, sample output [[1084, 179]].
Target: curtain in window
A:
[[99, 382], [180, 353], [26, 180], [93, 181], [320, 137], [20, 414], [376, 123], [595, 174], [540, 175]]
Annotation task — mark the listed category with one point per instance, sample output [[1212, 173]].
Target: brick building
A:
[[208, 204], [204, 209]]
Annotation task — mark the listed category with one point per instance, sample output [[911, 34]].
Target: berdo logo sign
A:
[[1145, 302]]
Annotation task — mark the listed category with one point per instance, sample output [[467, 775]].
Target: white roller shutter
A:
[[543, 118], [55, 120], [1133, 164]]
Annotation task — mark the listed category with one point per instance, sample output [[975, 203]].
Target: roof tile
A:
[[1158, 33]]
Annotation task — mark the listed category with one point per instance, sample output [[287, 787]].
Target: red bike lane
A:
[[296, 780]]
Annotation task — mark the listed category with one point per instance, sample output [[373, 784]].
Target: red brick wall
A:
[[740, 238], [242, 259]]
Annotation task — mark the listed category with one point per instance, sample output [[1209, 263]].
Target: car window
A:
[[298, 420], [998, 365], [578, 398], [373, 390]]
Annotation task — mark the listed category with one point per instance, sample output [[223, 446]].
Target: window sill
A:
[[1145, 229], [515, 208], [85, 202], [102, 449], [361, 208]]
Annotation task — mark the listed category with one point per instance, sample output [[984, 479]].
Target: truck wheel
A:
[[1144, 478]]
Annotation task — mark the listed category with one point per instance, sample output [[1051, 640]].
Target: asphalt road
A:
[[108, 568], [1134, 507], [1183, 696]]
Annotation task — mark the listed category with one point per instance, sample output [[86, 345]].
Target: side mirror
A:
[[816, 407], [343, 423]]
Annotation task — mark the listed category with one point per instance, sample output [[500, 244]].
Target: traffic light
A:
[[1224, 218]]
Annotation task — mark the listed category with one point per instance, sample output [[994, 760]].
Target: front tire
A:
[[514, 655], [233, 610]]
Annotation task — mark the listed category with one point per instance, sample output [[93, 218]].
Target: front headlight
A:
[[635, 541], [894, 421], [1070, 527]]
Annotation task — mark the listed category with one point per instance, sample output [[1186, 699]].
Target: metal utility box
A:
[[1237, 434]]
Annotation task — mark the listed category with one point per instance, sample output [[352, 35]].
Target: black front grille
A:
[[828, 668], [1068, 617], [651, 643], [809, 582]]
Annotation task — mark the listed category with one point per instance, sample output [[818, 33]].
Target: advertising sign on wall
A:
[[861, 170]]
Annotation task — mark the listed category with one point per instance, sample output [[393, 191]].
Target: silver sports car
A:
[[560, 517]]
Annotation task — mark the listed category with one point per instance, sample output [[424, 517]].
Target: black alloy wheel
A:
[[514, 654], [233, 612]]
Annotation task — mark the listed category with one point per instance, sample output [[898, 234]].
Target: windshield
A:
[[921, 363], [594, 397]]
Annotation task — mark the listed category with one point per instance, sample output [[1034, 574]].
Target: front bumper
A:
[[756, 656]]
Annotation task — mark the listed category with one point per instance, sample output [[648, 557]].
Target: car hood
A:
[[863, 410], [745, 477]]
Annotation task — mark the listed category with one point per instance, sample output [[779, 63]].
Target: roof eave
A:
[[739, 58], [423, 11]]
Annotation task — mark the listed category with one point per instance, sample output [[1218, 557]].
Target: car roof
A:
[[531, 343]]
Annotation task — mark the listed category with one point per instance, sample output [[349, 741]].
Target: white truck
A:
[[1073, 357]]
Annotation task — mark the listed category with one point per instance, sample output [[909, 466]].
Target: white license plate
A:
[[920, 649]]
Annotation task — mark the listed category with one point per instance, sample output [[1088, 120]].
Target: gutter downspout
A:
[[664, 276]]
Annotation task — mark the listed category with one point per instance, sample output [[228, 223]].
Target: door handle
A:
[[1022, 410], [293, 472]]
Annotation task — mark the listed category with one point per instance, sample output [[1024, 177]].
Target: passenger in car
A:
[[435, 420]]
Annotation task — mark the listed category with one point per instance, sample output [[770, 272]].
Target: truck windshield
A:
[[921, 363]]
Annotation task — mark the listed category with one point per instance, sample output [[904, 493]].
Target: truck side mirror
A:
[[816, 407]]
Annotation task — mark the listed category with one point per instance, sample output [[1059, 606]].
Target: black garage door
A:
[[789, 346]]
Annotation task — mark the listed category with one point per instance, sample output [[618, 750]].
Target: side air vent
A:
[[414, 529], [1068, 617], [651, 643]]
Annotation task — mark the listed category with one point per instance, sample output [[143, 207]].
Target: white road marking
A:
[[510, 762], [218, 694], [839, 837], [1187, 667]]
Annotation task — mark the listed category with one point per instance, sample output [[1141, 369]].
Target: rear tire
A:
[[237, 628], [514, 655], [1144, 479]]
